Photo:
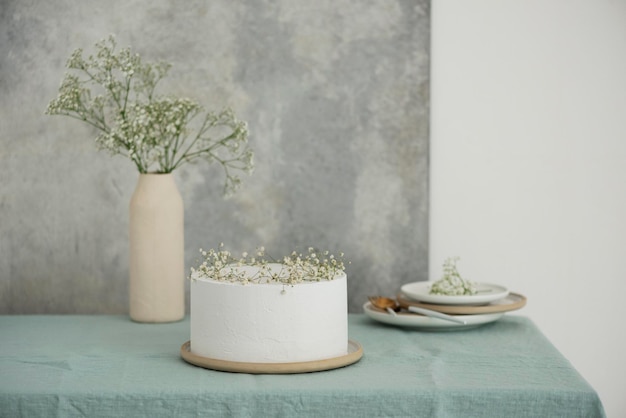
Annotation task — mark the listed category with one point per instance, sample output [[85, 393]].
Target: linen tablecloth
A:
[[109, 366]]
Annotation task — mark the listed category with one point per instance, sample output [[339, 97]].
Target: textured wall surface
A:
[[336, 97]]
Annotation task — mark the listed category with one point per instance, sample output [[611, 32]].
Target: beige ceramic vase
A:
[[157, 261]]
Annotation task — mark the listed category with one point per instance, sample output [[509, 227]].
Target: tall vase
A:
[[157, 261]]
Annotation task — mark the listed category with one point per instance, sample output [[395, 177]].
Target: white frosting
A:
[[269, 323]]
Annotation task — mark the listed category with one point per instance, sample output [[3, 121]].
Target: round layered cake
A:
[[268, 322]]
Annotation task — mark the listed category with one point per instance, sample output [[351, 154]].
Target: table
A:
[[109, 366]]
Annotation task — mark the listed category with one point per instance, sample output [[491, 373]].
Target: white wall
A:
[[528, 166]]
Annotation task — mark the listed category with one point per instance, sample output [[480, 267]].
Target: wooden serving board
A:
[[355, 352], [511, 302]]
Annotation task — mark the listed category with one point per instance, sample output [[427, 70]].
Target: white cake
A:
[[268, 322]]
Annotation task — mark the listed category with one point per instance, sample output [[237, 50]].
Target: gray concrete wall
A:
[[336, 97]]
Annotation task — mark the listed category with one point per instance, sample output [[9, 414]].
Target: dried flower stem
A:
[[114, 92]]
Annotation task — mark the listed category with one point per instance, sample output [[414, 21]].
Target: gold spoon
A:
[[391, 306], [388, 304]]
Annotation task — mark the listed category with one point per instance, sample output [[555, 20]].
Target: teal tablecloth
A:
[[109, 366]]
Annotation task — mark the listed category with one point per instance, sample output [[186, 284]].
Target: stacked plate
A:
[[489, 304]]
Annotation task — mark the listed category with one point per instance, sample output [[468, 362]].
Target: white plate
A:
[[428, 323], [486, 293]]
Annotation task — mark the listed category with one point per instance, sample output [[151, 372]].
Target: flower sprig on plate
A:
[[451, 283], [311, 266]]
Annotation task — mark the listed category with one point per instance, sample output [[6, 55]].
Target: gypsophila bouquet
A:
[[222, 265], [115, 92]]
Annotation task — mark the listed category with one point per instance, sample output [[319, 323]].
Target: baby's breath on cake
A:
[[311, 266]]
